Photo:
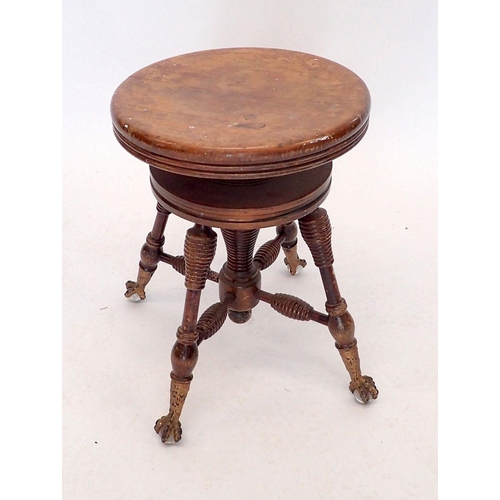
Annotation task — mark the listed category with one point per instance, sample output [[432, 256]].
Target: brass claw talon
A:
[[134, 288], [364, 389], [169, 428], [292, 260]]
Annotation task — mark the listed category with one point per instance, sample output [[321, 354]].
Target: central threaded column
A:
[[240, 276], [240, 246]]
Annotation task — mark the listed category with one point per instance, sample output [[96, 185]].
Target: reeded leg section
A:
[[150, 256], [213, 318], [289, 245], [199, 251], [316, 231]]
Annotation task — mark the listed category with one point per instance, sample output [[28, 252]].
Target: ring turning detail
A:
[[239, 140]]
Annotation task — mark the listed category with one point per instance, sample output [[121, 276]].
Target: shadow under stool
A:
[[242, 139]]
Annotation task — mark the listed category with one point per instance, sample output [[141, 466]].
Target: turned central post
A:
[[239, 275]]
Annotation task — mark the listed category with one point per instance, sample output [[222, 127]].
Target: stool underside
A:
[[239, 205]]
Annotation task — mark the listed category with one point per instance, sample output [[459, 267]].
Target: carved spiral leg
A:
[[150, 256], [199, 251], [316, 231], [289, 245]]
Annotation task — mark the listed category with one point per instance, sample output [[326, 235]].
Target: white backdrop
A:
[[267, 416]]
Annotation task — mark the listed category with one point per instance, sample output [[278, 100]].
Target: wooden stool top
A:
[[243, 113]]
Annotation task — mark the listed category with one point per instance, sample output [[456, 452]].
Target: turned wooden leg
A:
[[199, 251], [289, 246], [316, 231], [150, 256]]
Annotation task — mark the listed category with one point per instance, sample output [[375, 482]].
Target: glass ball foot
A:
[[359, 399], [134, 298], [170, 439]]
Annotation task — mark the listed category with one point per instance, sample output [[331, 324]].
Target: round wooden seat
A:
[[241, 138], [240, 113]]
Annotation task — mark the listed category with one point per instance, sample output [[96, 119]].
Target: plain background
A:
[[114, 372], [269, 414]]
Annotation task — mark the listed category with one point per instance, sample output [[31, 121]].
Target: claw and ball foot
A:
[[169, 427], [364, 389], [341, 326], [292, 260], [289, 245], [136, 289], [362, 386]]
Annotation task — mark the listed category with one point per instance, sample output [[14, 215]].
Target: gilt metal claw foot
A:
[[169, 427], [288, 235], [136, 289], [292, 260], [364, 389], [362, 386]]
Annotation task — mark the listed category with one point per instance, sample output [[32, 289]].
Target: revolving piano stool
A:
[[242, 139]]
